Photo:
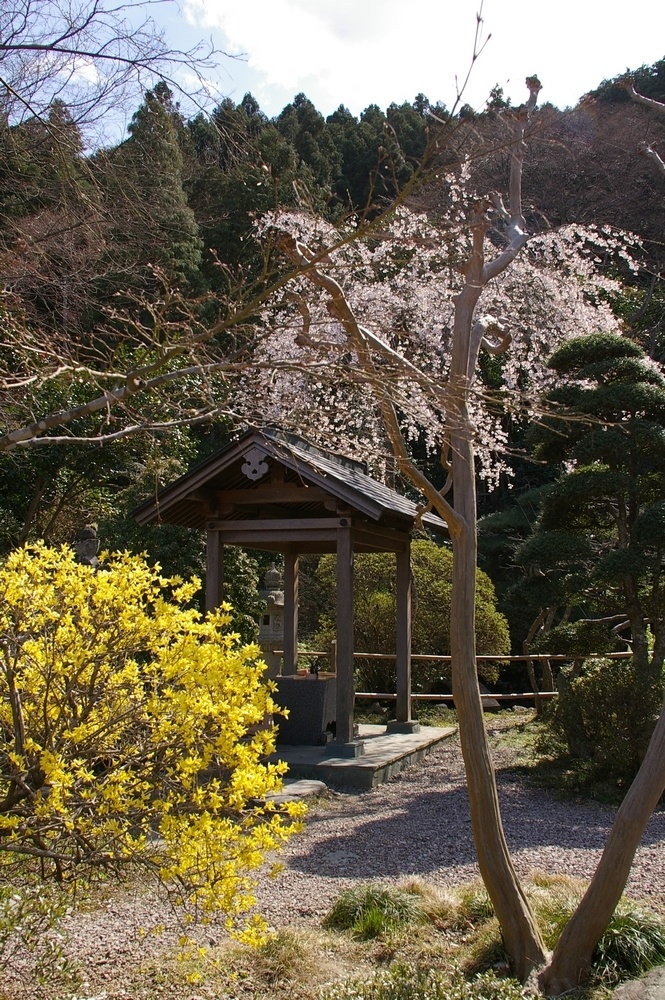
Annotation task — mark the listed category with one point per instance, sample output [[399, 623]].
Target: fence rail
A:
[[330, 654]]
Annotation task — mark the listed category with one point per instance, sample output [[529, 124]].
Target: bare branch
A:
[[90, 54], [628, 85], [651, 154]]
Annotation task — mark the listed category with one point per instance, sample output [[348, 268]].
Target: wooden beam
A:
[[290, 613], [214, 570], [273, 493], [403, 649], [281, 540], [277, 524], [345, 681], [381, 539]]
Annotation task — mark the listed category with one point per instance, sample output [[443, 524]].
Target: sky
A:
[[360, 52]]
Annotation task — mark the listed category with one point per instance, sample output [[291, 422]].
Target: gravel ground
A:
[[417, 824]]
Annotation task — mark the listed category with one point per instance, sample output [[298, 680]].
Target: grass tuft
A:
[[406, 981], [369, 911], [633, 943]]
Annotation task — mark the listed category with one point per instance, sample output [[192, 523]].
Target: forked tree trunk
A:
[[522, 938], [572, 956]]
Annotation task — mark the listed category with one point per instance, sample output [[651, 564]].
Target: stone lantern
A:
[[271, 628]]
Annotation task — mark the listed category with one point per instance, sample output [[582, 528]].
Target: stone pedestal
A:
[[402, 727], [355, 748], [311, 704]]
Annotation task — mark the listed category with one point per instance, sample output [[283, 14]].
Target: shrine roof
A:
[[301, 477]]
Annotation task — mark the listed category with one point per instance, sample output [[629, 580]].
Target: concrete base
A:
[[356, 748], [386, 754], [402, 727]]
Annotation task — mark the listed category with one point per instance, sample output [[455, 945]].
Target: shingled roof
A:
[[190, 500]]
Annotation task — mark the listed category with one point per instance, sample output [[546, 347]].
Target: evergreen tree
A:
[[144, 176], [241, 166], [599, 542], [307, 131]]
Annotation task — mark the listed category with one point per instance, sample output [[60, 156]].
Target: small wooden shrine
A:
[[275, 491]]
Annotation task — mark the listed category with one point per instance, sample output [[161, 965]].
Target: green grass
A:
[[632, 944], [405, 981], [369, 911]]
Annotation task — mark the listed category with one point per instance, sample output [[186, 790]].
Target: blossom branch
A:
[[362, 341]]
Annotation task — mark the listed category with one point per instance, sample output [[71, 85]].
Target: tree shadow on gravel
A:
[[429, 831]]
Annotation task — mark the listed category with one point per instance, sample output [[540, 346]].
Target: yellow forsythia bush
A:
[[128, 731]]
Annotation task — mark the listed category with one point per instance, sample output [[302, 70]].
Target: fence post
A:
[[332, 657], [538, 702]]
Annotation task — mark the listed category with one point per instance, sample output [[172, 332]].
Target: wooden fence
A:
[[542, 658]]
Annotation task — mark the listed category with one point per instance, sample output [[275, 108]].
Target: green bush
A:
[[632, 943], [405, 981], [370, 910], [375, 615], [600, 714], [29, 915]]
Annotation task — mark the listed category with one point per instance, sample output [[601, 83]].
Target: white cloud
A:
[[358, 52]]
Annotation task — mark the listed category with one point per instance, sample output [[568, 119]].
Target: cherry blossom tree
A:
[[419, 376]]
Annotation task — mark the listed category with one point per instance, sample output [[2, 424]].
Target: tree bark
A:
[[572, 956], [521, 935]]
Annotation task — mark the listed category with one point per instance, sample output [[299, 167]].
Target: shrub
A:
[[633, 942], [29, 914], [130, 731], [600, 714], [375, 611]]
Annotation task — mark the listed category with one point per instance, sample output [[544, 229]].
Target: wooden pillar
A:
[[290, 664], [403, 706], [214, 570], [345, 680]]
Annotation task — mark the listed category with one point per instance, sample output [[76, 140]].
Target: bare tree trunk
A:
[[572, 956], [521, 935]]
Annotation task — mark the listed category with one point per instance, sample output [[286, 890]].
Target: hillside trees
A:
[[153, 226]]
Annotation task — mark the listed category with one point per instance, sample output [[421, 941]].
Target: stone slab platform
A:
[[386, 754], [650, 987]]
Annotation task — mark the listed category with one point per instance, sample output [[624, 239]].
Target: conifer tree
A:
[[145, 183]]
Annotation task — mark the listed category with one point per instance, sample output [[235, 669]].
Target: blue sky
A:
[[357, 52]]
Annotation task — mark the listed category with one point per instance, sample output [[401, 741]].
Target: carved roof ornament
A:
[[255, 466]]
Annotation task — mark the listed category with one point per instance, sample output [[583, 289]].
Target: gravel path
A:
[[417, 824]]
